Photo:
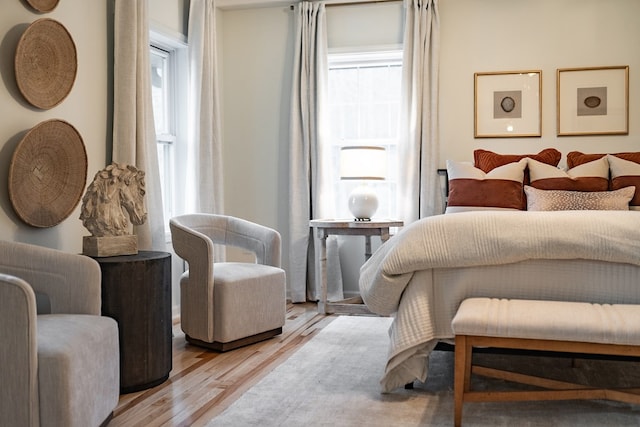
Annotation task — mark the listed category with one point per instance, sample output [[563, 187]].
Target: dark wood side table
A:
[[326, 227], [136, 292]]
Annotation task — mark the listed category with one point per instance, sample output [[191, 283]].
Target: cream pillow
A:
[[563, 200], [591, 176], [625, 173]]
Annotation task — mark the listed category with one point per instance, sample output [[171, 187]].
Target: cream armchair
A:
[[226, 305], [60, 358]]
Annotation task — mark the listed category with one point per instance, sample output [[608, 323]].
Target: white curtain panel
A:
[[420, 193], [204, 157], [306, 178], [134, 138]]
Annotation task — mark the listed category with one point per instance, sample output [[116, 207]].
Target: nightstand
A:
[[324, 228]]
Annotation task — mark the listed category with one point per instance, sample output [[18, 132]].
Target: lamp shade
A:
[[363, 162]]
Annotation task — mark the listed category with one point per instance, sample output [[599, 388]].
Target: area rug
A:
[[333, 380]]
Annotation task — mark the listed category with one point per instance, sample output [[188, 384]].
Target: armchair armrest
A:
[[71, 281], [263, 241], [18, 352]]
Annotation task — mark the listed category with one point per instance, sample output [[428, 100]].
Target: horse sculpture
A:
[[115, 190]]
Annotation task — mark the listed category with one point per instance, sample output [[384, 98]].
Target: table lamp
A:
[[363, 163]]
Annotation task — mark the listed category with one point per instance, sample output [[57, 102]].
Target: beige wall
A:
[[493, 35], [86, 107]]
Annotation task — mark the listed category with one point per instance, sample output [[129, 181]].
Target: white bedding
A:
[[424, 272]]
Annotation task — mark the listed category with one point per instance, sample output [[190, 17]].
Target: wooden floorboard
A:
[[203, 383]]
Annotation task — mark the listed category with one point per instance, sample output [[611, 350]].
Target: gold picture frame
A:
[[508, 104], [592, 101]]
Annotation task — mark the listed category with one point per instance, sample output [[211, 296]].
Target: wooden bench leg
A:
[[462, 376]]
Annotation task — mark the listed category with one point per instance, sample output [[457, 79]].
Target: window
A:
[[364, 105], [168, 83]]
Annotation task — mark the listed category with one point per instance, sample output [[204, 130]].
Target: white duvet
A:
[[423, 248]]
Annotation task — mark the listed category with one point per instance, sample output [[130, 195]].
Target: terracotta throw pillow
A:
[[488, 160], [576, 158], [625, 173], [591, 176], [472, 189], [561, 200]]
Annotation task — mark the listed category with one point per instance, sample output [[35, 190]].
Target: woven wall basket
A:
[[45, 63], [43, 5], [48, 173]]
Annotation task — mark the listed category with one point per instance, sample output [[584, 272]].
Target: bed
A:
[[422, 274]]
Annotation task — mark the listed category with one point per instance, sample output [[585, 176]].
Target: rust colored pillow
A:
[[591, 176], [576, 158], [472, 189], [488, 160]]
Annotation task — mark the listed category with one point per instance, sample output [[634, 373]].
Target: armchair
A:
[[225, 305], [60, 360]]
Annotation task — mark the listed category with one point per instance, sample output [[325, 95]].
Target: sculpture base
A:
[[110, 245]]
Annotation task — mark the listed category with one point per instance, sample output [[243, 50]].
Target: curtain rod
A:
[[354, 3]]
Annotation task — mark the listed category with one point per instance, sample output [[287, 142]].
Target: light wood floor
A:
[[203, 383]]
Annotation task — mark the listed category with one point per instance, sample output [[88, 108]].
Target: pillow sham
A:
[[576, 158], [488, 160], [471, 189], [563, 200], [625, 173], [591, 176]]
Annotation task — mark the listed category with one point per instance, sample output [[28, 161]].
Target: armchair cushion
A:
[[78, 360]]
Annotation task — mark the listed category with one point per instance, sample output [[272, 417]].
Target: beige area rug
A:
[[333, 380]]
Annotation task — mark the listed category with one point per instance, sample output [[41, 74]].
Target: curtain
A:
[[306, 178], [134, 138], [204, 157], [420, 193]]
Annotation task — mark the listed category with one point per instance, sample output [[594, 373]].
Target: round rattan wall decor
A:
[[46, 63], [48, 173], [43, 5]]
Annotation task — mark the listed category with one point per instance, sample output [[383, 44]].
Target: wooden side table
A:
[[136, 292], [326, 227]]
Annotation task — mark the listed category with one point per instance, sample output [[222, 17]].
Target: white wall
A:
[[504, 35], [487, 35]]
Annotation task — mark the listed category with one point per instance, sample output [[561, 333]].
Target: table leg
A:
[[322, 263]]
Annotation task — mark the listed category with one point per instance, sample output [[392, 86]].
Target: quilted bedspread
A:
[[477, 239]]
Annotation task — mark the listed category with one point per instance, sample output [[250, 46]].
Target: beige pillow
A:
[[591, 176], [563, 200], [625, 173]]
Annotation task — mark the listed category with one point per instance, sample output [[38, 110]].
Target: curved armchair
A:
[[60, 359], [225, 305]]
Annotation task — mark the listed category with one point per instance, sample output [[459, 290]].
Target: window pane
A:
[[364, 102]]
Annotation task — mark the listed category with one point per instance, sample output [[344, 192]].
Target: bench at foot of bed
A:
[[558, 326]]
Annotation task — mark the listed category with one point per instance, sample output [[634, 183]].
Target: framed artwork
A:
[[593, 101], [508, 104]]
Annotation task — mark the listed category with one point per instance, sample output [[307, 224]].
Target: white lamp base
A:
[[363, 203]]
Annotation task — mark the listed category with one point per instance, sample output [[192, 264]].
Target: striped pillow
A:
[[471, 189], [591, 176]]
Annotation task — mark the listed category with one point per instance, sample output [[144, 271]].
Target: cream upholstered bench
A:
[[559, 326]]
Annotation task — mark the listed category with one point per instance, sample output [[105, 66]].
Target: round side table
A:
[[136, 292]]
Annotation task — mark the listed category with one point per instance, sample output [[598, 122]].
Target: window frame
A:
[[387, 189], [172, 176]]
